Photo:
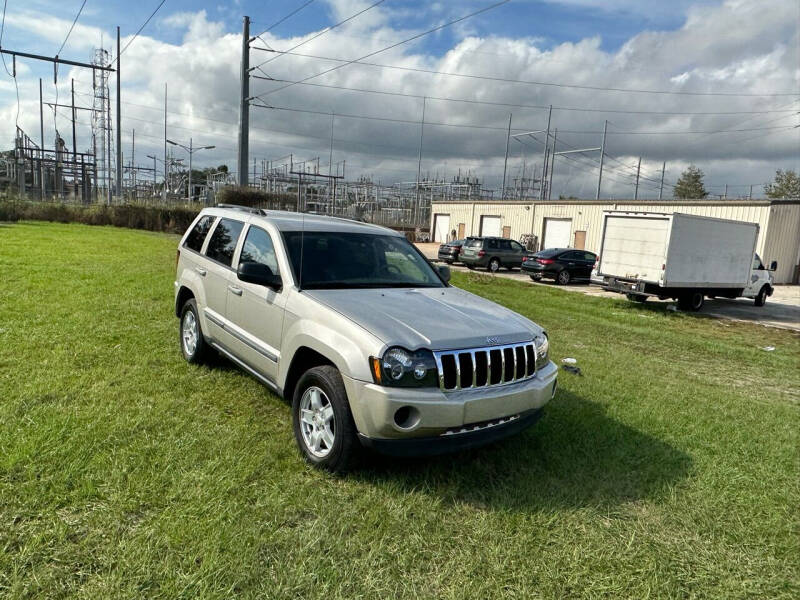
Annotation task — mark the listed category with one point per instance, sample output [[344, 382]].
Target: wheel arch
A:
[[303, 359], [184, 294]]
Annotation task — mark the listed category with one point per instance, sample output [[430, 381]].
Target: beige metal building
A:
[[577, 223]]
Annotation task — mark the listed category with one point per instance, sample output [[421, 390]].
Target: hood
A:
[[432, 318]]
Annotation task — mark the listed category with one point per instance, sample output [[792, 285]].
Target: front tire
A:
[[761, 298], [563, 277], [322, 421], [193, 344]]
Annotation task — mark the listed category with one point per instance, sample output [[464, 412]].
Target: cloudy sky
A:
[[716, 84]]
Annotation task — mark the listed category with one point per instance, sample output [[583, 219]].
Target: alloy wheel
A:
[[189, 333], [317, 422]]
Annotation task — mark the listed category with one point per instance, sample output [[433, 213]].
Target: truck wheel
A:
[[761, 298], [692, 301], [563, 277], [322, 421], [193, 344], [494, 265]]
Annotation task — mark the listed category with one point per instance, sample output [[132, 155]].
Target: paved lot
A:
[[782, 309]]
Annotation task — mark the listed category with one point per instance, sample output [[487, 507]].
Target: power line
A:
[[135, 35], [512, 105], [323, 32], [524, 81], [405, 41], [279, 21], [75, 20]]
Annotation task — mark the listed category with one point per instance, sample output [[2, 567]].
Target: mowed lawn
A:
[[669, 468]]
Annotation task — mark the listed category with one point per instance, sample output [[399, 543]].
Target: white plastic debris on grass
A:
[[768, 348], [569, 361]]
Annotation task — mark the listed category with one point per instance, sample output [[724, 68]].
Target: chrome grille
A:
[[485, 367]]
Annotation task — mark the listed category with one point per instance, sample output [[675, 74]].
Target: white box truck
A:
[[680, 256]]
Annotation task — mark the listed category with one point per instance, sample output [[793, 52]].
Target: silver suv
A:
[[352, 325]]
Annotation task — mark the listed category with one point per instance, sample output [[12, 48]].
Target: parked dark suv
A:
[[450, 251], [561, 264], [492, 253]]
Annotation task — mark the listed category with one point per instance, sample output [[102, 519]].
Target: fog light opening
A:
[[406, 417]]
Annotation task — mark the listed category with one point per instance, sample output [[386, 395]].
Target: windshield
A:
[[336, 260]]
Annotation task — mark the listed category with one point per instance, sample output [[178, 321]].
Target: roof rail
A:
[[249, 209]]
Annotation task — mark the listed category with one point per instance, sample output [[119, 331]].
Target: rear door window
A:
[[589, 257], [223, 241], [194, 241], [517, 247]]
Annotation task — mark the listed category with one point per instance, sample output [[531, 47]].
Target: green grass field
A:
[[670, 468]]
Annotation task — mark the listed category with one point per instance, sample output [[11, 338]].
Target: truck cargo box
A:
[[677, 250]]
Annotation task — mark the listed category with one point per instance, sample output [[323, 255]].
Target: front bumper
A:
[[440, 444], [432, 413]]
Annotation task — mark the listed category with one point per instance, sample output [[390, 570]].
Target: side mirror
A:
[[258, 274], [444, 272], [774, 266]]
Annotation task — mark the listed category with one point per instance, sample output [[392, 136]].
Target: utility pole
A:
[[189, 194], [244, 105], [661, 187], [638, 169], [602, 154], [505, 164], [726, 191], [544, 154], [119, 123], [166, 168], [419, 162], [552, 164], [133, 161], [74, 139], [331, 201], [41, 134], [750, 195]]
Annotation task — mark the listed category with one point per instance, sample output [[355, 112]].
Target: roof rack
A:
[[249, 209]]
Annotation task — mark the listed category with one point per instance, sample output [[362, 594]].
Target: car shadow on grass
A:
[[575, 456]]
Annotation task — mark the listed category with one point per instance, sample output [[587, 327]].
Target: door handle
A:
[[201, 271], [235, 290]]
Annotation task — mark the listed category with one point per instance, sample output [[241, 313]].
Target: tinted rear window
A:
[[473, 243], [549, 253], [223, 241], [194, 241]]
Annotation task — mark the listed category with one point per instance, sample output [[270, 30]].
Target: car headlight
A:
[[542, 344], [399, 367]]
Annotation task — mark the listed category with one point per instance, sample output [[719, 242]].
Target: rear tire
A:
[[692, 301], [494, 265], [536, 276], [563, 277], [636, 298], [761, 298], [193, 343], [323, 424]]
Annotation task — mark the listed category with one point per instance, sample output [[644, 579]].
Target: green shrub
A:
[[169, 219]]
